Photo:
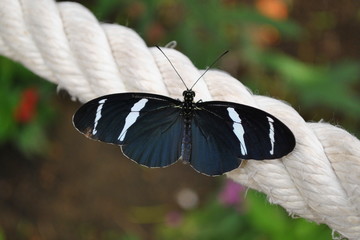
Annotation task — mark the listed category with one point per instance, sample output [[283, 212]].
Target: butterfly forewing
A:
[[148, 126], [256, 134]]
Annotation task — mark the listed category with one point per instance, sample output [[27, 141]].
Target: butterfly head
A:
[[188, 95]]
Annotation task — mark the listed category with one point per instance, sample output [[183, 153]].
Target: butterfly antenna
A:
[[172, 66], [207, 69]]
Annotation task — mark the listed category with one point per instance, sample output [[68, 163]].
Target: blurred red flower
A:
[[26, 109]]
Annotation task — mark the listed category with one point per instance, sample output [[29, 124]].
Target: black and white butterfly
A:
[[156, 131]]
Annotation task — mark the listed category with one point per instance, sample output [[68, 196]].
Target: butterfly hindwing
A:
[[214, 148], [155, 139], [148, 126], [257, 134]]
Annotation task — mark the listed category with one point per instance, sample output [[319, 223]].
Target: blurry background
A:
[[56, 184]]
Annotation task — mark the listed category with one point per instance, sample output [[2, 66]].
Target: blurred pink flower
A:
[[173, 218], [231, 195]]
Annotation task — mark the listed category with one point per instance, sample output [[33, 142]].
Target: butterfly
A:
[[156, 131]]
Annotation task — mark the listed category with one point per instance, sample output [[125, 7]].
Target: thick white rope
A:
[[65, 44]]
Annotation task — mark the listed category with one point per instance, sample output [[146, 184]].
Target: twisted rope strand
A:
[[65, 44]]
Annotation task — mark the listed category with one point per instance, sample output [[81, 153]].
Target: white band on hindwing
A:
[[271, 134]]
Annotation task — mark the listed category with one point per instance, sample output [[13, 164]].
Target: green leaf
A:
[[31, 139], [2, 235]]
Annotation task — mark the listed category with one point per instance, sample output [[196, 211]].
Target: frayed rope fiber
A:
[[65, 44]]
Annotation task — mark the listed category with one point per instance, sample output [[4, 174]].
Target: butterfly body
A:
[[187, 109], [156, 131]]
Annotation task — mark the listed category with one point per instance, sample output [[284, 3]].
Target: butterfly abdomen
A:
[[186, 141], [187, 110]]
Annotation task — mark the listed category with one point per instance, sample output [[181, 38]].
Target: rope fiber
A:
[[65, 44]]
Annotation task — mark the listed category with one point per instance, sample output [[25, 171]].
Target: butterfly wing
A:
[[222, 132], [148, 126], [214, 150]]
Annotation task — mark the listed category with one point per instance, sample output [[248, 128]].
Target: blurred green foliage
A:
[[256, 219], [2, 236]]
